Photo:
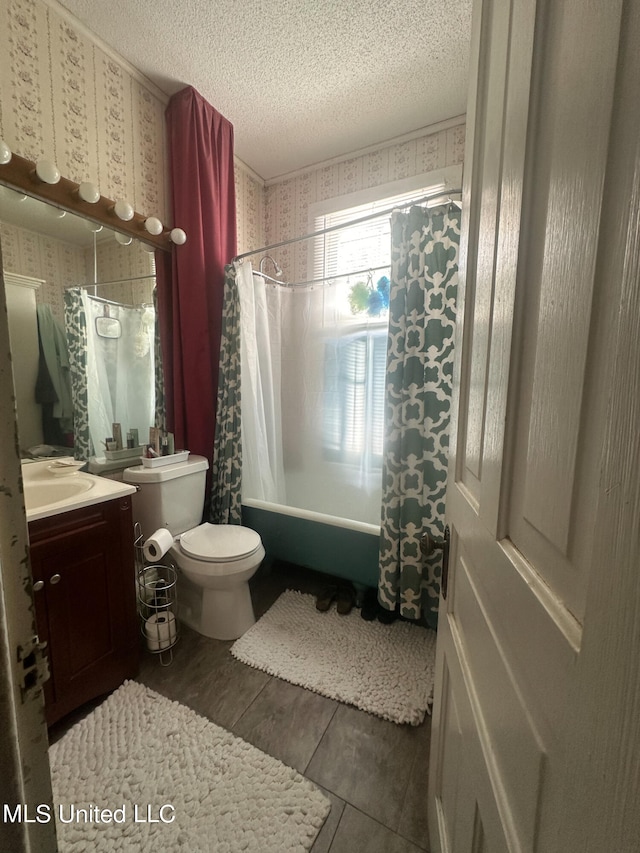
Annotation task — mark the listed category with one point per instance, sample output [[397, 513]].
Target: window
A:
[[363, 246], [357, 260], [354, 397]]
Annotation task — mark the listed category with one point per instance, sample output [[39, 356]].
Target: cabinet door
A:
[[86, 609]]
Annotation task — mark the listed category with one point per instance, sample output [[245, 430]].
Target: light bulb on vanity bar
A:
[[5, 153], [123, 210], [47, 172], [89, 192], [178, 236], [153, 225]]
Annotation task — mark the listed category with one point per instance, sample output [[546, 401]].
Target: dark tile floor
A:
[[373, 771]]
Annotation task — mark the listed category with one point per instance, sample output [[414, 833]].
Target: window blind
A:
[[355, 362]]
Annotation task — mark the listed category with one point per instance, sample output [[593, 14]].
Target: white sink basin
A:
[[54, 488], [41, 493]]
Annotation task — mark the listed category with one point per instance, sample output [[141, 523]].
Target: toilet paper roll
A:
[[157, 544], [160, 631]]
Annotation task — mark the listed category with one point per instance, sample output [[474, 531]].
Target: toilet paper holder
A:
[[157, 602], [157, 608]]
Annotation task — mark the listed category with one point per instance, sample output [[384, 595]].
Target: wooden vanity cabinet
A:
[[85, 600]]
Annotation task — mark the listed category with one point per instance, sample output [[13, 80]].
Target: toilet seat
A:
[[220, 543]]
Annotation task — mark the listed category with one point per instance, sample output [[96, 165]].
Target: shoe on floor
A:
[[369, 609], [386, 616], [345, 600], [325, 598]]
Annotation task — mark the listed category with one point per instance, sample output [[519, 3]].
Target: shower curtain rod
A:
[[104, 301], [115, 281], [271, 278], [325, 277], [444, 194]]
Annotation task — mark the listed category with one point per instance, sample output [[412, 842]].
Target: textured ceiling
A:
[[302, 81]]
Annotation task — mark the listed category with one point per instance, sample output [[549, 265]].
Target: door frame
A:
[[24, 744]]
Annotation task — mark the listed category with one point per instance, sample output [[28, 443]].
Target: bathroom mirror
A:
[[44, 251]]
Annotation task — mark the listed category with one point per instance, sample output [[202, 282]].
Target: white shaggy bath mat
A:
[[387, 670], [174, 781]]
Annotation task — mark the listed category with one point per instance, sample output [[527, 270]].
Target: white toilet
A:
[[215, 561]]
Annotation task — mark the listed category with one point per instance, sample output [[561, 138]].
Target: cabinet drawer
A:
[[46, 529]]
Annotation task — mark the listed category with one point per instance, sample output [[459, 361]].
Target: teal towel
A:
[[56, 356]]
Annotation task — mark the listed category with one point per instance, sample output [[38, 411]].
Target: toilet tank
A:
[[170, 496]]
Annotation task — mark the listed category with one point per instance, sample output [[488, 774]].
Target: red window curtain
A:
[[190, 285]]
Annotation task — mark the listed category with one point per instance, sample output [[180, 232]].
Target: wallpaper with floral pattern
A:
[[250, 209], [60, 264], [280, 210], [64, 98], [37, 256], [287, 201]]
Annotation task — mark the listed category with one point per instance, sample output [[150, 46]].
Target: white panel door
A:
[[540, 303]]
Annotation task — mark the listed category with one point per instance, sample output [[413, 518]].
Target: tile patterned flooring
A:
[[373, 771]]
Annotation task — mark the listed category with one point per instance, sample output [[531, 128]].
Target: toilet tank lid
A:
[[140, 474]]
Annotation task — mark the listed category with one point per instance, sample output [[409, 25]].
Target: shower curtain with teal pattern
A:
[[75, 322], [226, 476], [424, 258], [161, 410]]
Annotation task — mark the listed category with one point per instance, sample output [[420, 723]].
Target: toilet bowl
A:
[[219, 559], [215, 561]]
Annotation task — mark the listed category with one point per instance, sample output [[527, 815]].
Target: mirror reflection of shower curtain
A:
[[260, 369], [120, 372], [75, 322]]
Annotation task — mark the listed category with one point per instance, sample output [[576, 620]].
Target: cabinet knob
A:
[[55, 578], [38, 585]]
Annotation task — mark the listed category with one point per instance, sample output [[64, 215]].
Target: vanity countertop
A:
[[54, 486]]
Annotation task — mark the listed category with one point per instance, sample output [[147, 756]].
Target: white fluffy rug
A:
[[387, 670], [138, 752]]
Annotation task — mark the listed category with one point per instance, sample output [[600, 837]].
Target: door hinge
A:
[[34, 667]]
